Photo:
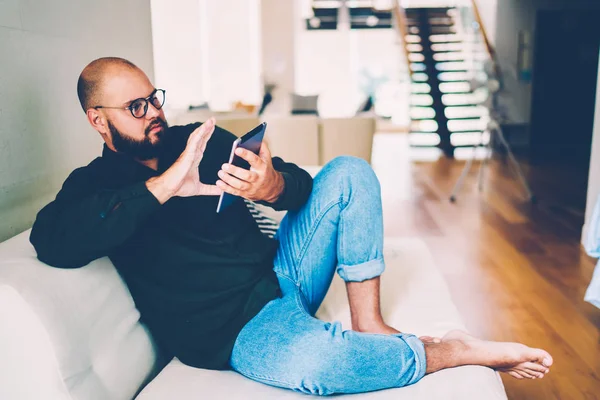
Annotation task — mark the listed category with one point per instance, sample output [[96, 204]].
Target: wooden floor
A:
[[516, 272]]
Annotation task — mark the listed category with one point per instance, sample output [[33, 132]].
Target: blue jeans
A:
[[339, 229]]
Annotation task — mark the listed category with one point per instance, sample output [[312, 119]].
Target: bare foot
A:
[[515, 359]]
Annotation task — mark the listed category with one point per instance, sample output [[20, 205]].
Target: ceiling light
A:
[[372, 20], [314, 22]]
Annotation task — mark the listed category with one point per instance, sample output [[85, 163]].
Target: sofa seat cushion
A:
[[82, 323], [415, 298]]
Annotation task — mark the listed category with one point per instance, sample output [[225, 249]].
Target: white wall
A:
[[277, 26], [177, 48], [594, 177], [231, 52], [332, 64], [43, 131]]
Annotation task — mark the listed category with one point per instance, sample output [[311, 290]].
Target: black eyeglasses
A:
[[139, 107]]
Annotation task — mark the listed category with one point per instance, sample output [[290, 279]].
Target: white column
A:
[[231, 51], [278, 43], [178, 52], [594, 177]]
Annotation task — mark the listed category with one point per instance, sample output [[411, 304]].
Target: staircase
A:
[[444, 112]]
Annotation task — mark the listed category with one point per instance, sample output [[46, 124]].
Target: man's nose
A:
[[152, 112]]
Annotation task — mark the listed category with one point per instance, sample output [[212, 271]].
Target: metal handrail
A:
[[488, 44], [401, 20]]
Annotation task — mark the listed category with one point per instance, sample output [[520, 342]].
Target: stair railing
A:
[[402, 25], [488, 44]]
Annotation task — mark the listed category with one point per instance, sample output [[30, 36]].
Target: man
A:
[[212, 289]]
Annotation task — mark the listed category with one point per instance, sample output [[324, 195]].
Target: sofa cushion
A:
[[415, 299], [82, 322], [27, 353]]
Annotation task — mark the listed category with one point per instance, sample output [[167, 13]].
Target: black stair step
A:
[[460, 146], [444, 31], [457, 81], [447, 61], [420, 106], [463, 146], [454, 81], [423, 118], [464, 119], [451, 70], [446, 51], [460, 92], [442, 25], [429, 10], [461, 132], [463, 105], [457, 41], [423, 146]]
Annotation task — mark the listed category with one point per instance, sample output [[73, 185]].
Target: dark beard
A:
[[143, 149]]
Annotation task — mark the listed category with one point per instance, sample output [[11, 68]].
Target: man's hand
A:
[[260, 183], [183, 178]]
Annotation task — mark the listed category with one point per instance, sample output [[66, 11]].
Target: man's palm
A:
[[184, 175]]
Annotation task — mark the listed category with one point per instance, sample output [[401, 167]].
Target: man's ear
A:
[[97, 120]]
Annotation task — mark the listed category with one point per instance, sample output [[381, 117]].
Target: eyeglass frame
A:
[[146, 99]]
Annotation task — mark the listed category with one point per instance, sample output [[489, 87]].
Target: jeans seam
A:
[[341, 227], [297, 295], [311, 233]]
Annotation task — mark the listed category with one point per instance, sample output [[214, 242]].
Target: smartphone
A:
[[250, 141]]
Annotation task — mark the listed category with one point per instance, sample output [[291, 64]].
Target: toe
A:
[[515, 375], [533, 367], [525, 374], [542, 357]]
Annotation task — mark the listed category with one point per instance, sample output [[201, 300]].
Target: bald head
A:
[[93, 77]]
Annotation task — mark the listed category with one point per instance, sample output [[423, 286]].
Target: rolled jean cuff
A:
[[418, 349], [361, 272]]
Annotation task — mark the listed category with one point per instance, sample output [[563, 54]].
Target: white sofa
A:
[[351, 136], [295, 138], [75, 334], [301, 139]]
